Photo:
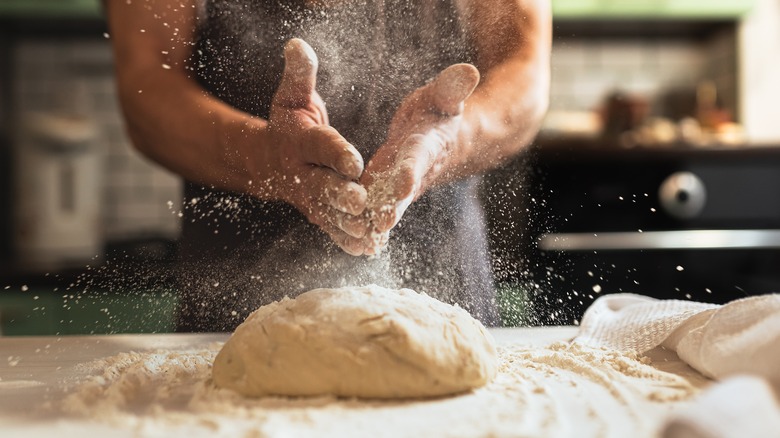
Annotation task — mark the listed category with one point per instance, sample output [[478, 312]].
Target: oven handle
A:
[[650, 240]]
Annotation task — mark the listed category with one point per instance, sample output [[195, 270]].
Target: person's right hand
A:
[[310, 165]]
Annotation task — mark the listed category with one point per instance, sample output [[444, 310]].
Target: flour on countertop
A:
[[559, 390]]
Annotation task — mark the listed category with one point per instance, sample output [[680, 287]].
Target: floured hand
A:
[[421, 136], [313, 167]]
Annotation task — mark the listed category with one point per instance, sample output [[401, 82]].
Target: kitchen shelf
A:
[[650, 9], [639, 29], [562, 9]]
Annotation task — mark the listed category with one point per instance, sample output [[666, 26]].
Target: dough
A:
[[368, 342]]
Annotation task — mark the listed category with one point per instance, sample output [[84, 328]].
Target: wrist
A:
[[247, 147]]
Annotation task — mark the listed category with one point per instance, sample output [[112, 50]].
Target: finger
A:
[[349, 244], [413, 164], [319, 103], [353, 247], [390, 190], [377, 243], [326, 147], [347, 197], [355, 226], [452, 87], [337, 192], [299, 78], [419, 153], [388, 215]]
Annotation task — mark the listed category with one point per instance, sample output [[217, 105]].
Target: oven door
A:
[[689, 224]]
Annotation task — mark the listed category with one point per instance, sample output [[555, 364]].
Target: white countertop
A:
[[49, 359], [36, 371]]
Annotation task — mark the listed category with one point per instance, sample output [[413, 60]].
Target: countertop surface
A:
[[38, 373], [31, 365], [41, 361]]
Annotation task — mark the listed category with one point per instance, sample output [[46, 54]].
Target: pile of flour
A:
[[557, 390]]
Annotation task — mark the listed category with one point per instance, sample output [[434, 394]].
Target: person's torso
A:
[[372, 53]]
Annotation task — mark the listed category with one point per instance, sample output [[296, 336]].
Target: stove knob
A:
[[682, 195]]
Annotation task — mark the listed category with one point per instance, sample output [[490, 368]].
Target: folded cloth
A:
[[741, 337], [738, 338], [740, 406], [629, 322]]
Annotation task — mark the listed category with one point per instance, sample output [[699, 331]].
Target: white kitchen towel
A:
[[741, 337], [738, 338], [740, 406]]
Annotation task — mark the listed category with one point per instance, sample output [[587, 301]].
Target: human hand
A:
[[308, 163], [421, 136]]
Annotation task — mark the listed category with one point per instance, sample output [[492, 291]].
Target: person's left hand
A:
[[421, 136]]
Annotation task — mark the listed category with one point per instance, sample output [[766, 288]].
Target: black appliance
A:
[[678, 222]]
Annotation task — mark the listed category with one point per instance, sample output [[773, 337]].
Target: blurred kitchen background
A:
[[662, 119]]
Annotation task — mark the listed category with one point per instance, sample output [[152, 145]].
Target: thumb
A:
[[299, 78], [452, 87]]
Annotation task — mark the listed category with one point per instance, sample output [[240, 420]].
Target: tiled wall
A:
[[76, 77], [585, 71]]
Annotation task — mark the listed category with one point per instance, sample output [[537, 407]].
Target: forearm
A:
[[173, 121], [505, 111], [501, 118], [170, 117]]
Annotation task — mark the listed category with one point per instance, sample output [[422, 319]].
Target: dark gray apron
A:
[[238, 253]]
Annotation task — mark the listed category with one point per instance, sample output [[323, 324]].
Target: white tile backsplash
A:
[[585, 72]]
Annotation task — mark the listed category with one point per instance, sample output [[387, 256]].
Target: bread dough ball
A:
[[368, 342]]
